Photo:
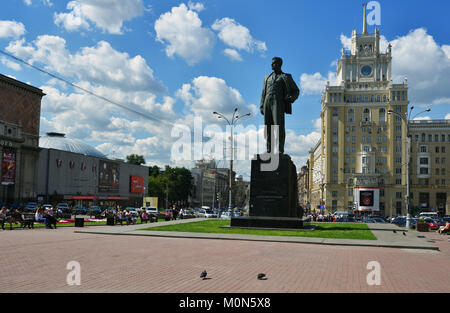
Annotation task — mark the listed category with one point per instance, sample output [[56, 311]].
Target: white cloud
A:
[[100, 64], [232, 54], [346, 42], [196, 6], [11, 29], [45, 2], [447, 117], [182, 32], [317, 124], [108, 15], [314, 84], [208, 94], [237, 36], [425, 63], [12, 65]]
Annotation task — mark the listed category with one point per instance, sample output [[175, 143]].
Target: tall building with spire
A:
[[360, 162]]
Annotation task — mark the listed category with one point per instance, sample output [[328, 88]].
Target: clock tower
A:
[[362, 154]]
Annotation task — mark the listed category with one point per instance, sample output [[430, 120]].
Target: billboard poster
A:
[[8, 167], [108, 179], [137, 184], [366, 197]]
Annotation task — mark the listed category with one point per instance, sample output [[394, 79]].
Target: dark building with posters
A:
[[73, 172], [20, 107]]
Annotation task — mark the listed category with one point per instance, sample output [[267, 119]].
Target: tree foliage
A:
[[178, 181], [135, 159]]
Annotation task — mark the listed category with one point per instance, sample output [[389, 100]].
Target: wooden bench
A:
[[26, 220]]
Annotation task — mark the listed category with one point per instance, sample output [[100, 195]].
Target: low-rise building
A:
[[74, 172]]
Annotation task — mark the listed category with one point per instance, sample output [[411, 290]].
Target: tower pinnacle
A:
[[365, 20]]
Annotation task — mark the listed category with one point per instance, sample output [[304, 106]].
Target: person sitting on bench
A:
[[120, 217], [144, 217], [40, 217], [50, 216], [444, 229], [4, 217]]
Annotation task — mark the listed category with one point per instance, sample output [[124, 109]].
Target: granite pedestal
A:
[[273, 195]]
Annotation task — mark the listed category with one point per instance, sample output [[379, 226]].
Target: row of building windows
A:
[[432, 138], [424, 149], [396, 96], [398, 195]]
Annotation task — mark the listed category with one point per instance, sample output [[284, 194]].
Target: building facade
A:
[[360, 163], [20, 107], [429, 173], [303, 186], [211, 186], [86, 177]]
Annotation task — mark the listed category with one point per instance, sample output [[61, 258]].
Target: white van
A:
[[429, 214]]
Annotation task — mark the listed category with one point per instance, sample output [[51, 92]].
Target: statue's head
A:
[[277, 63]]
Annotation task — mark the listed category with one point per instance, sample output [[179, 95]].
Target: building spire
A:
[[365, 20]]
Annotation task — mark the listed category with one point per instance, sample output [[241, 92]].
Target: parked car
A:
[[95, 210], [379, 220], [444, 220], [433, 223], [31, 206], [133, 211], [432, 215], [151, 211], [201, 213], [225, 215], [64, 207], [399, 221], [168, 214], [210, 214], [81, 210]]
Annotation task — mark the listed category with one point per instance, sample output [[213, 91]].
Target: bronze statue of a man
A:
[[279, 92]]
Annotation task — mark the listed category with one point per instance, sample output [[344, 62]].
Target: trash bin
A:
[[79, 222], [110, 221]]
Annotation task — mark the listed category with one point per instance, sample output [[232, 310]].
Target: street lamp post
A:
[[233, 122], [406, 119]]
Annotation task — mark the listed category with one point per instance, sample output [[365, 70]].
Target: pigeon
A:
[[203, 274], [394, 231], [404, 234], [262, 276]]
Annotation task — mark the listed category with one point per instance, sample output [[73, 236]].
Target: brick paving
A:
[[35, 261]]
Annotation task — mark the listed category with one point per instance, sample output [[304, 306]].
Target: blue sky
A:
[[177, 60]]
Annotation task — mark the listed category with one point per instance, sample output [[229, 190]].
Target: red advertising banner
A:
[[137, 184], [8, 168]]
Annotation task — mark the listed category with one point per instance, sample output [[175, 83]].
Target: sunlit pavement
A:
[[36, 260]]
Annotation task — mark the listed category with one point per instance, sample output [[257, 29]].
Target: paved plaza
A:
[[36, 260]]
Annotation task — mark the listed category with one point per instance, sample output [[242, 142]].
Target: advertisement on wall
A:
[[8, 167], [108, 179], [137, 184], [367, 199]]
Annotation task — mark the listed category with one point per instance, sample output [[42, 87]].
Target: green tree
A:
[[135, 159], [177, 181], [153, 171]]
